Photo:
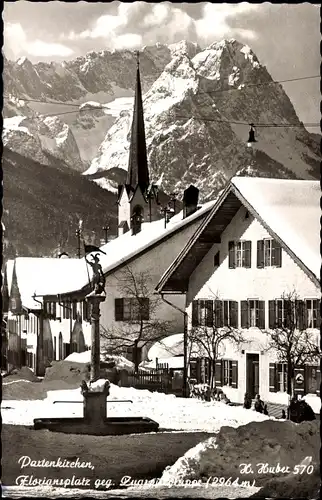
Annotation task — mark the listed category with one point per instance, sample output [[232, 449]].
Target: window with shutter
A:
[[312, 316], [311, 379], [218, 319], [281, 377], [271, 314], [247, 254], [276, 254], [244, 314], [234, 379], [231, 255], [218, 373], [260, 253], [209, 305], [272, 378], [118, 309], [261, 314]]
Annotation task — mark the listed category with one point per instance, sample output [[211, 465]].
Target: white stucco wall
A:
[[154, 262], [241, 284]]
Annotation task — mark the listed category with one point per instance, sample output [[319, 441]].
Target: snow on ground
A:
[[121, 363], [170, 412], [314, 402]]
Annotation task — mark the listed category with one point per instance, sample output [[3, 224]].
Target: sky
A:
[[285, 37]]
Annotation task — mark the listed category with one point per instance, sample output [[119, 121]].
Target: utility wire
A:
[[273, 125], [246, 85], [202, 118], [242, 87]]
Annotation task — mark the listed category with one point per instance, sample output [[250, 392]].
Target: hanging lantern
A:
[[251, 138]]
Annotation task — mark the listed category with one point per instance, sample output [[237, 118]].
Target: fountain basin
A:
[[106, 427]]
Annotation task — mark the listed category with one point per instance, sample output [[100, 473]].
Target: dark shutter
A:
[[195, 313], [288, 313], [234, 383], [217, 259], [231, 255], [260, 253], [271, 314], [145, 308], [318, 380], [118, 309], [248, 253], [233, 314], [209, 306], [244, 314], [276, 254], [261, 314], [67, 308], [300, 315], [218, 373], [272, 377], [318, 312], [226, 318], [74, 308], [218, 320]]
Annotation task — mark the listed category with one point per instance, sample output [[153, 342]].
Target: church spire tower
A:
[[138, 172], [137, 199]]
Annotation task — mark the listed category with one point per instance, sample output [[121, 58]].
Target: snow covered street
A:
[[170, 412]]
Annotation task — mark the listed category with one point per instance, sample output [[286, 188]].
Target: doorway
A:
[[252, 374]]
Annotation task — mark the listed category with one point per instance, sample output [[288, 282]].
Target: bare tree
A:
[[139, 324], [208, 332], [294, 344]]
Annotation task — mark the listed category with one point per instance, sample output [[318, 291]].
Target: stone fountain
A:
[[95, 420]]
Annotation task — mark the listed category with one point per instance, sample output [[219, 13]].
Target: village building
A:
[[41, 330], [257, 248]]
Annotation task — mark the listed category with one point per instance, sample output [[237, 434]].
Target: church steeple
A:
[[138, 173]]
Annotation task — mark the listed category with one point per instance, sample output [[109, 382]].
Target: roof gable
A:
[[293, 233]]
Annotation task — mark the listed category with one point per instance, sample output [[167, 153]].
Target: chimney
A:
[[190, 201]]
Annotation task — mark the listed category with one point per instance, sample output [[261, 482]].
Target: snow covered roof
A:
[[167, 347], [53, 276], [8, 272], [291, 209], [288, 209], [46, 276], [127, 246]]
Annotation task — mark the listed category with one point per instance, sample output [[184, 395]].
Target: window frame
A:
[[127, 307], [313, 321], [227, 372]]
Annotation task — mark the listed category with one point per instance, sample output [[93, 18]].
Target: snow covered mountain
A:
[[103, 77], [192, 115], [195, 100]]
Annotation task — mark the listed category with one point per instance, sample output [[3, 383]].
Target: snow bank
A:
[[121, 363], [270, 442]]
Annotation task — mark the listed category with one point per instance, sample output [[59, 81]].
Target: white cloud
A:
[[214, 21], [165, 22], [128, 41], [40, 48], [17, 44], [158, 14]]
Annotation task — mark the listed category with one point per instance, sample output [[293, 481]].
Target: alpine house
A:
[[253, 265]]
